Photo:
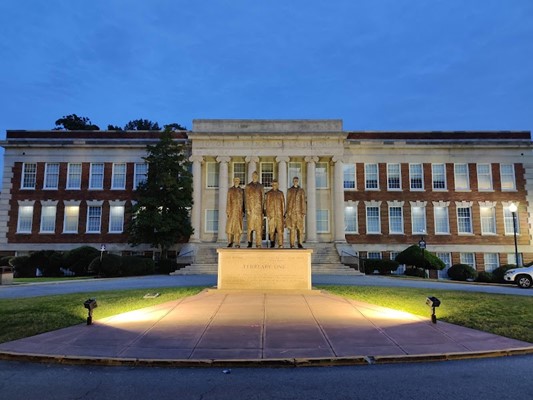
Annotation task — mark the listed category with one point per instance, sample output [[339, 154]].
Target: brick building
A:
[[368, 193]]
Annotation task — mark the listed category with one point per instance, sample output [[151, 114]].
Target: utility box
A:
[[6, 276]]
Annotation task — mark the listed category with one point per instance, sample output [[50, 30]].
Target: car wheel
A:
[[524, 281]]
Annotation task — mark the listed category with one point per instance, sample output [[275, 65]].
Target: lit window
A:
[[484, 177], [29, 175], [141, 173], [349, 176], [322, 221], [395, 220], [212, 175], [239, 171], [371, 177], [267, 174], [488, 220], [321, 175], [507, 177], [394, 181], [116, 219], [94, 219], [491, 261], [96, 179], [464, 220], [462, 181], [373, 220], [295, 171], [468, 259], [118, 180], [438, 172], [70, 223], [418, 220], [74, 176], [51, 176], [508, 222], [442, 223], [48, 219], [25, 219], [350, 219], [416, 176], [211, 221]]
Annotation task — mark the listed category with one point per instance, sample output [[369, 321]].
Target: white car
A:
[[523, 277]]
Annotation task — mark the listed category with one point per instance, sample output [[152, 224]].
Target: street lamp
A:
[[102, 250], [422, 246], [513, 208]]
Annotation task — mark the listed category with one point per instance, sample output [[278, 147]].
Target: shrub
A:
[[419, 272], [49, 262], [484, 276], [111, 265], [166, 266], [22, 267], [4, 261], [135, 266], [461, 272], [78, 259], [499, 272]]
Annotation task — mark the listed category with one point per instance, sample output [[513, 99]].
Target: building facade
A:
[[370, 193]]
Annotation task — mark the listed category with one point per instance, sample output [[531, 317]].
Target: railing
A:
[[352, 260]]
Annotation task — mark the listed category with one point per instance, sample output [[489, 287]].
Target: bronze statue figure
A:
[[235, 213], [275, 212], [253, 198], [295, 212]]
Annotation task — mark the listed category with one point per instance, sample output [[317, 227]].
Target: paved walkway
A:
[[273, 328]]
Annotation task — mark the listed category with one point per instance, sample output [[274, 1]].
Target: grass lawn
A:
[[505, 315], [45, 279], [21, 318]]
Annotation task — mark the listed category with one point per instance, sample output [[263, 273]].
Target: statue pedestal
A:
[[264, 269]]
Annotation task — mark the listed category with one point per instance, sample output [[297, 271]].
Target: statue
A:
[[253, 199], [295, 212], [275, 211], [235, 213]]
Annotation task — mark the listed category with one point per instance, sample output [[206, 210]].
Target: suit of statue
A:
[[234, 213], [275, 211], [295, 214], [253, 198]]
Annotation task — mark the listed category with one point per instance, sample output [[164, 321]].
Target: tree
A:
[[174, 127], [114, 128], [141, 125], [161, 214], [74, 123], [420, 258]]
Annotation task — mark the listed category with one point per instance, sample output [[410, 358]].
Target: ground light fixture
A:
[[433, 302], [90, 305]]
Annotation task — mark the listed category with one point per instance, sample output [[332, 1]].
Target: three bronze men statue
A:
[[272, 204]]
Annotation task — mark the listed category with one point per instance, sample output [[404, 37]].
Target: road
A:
[[155, 281], [487, 379]]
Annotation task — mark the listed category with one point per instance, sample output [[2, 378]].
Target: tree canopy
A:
[[141, 125], [421, 258], [161, 214], [74, 123]]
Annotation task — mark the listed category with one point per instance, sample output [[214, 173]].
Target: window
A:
[[118, 180], [416, 176], [29, 175], [438, 173], [349, 176], [374, 255], [70, 223], [350, 218], [491, 261], [468, 259], [25, 219], [295, 170], [239, 171], [116, 219], [74, 176], [442, 224], [96, 179], [508, 221], [484, 177], [446, 258], [464, 220], [48, 219], [373, 220], [371, 177], [212, 175], [394, 181], [141, 173], [267, 174], [461, 177], [211, 221], [488, 220], [418, 220], [94, 219], [507, 177], [51, 176], [322, 221], [511, 259], [395, 220], [321, 173]]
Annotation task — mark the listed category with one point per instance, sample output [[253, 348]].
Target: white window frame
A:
[[418, 222], [51, 178], [294, 170], [28, 177], [487, 221], [374, 255], [349, 172], [468, 259], [391, 174], [239, 174], [140, 174], [484, 178], [461, 218], [511, 259], [508, 178], [464, 175], [71, 215], [393, 220], [118, 178], [508, 221], [438, 177], [25, 217], [322, 177], [48, 220], [212, 175], [415, 176], [350, 217], [116, 218], [93, 175], [437, 222], [267, 176], [378, 208], [371, 176], [97, 209], [74, 177], [211, 217], [491, 265], [446, 258], [322, 221]]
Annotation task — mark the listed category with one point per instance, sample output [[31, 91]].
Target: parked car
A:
[[523, 277]]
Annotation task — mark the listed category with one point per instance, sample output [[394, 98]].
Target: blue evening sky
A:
[[376, 64]]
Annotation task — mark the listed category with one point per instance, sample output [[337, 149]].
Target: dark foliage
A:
[[416, 257], [384, 267], [141, 125], [77, 260], [461, 272], [74, 123]]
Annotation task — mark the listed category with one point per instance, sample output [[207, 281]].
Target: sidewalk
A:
[[260, 328]]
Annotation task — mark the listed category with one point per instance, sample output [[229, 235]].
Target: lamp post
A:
[[102, 249], [513, 208], [422, 246]]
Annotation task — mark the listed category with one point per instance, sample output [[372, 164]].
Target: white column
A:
[[252, 166], [311, 199], [222, 196], [282, 173], [338, 200], [196, 212]]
